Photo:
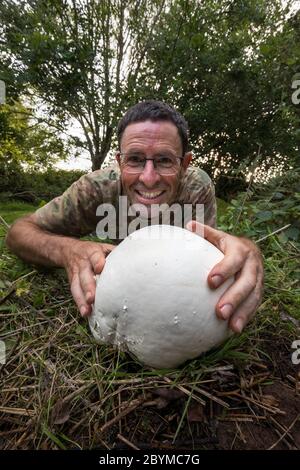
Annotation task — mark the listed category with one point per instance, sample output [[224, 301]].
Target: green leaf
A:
[[293, 233], [263, 216]]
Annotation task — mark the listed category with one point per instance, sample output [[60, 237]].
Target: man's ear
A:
[[118, 158], [187, 160]]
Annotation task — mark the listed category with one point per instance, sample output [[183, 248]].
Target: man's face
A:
[[152, 138]]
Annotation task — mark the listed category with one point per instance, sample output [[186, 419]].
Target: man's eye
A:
[[164, 160], [135, 159]]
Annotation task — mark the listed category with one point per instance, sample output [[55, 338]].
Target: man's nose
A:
[[149, 176]]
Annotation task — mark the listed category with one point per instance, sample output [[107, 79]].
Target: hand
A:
[[84, 259], [243, 261]]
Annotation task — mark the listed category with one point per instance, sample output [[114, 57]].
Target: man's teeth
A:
[[151, 195]]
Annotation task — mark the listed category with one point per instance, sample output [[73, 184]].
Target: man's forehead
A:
[[161, 131]]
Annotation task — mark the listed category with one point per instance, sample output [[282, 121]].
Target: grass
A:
[[59, 390], [12, 210]]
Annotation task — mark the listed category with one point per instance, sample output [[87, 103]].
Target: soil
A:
[[263, 413]]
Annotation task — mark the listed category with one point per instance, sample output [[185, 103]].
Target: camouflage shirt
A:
[[74, 212]]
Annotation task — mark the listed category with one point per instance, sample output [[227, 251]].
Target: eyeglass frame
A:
[[153, 160]]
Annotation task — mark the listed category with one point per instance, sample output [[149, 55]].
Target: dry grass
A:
[[61, 390]]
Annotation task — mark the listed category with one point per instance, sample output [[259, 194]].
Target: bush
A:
[[264, 209], [36, 187]]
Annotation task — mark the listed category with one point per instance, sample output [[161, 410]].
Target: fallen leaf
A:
[[196, 413], [60, 412], [168, 393]]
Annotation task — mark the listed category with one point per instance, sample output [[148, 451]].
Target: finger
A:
[[88, 271], [87, 282], [247, 309], [222, 241], [231, 264], [79, 297], [238, 292]]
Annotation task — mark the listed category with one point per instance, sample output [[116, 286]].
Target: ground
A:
[[61, 390]]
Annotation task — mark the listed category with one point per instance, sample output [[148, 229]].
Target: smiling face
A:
[[152, 138]]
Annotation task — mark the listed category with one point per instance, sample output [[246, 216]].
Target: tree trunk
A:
[[101, 151]]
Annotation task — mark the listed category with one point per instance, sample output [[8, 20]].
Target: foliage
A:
[[28, 152], [82, 58], [24, 145], [38, 187], [27, 155], [266, 208], [228, 66]]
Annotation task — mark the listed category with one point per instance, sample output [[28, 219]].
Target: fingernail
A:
[[239, 325], [88, 296], [226, 311], [189, 226], [82, 310], [216, 280]]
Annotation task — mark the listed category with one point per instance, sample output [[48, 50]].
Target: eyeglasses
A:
[[163, 164]]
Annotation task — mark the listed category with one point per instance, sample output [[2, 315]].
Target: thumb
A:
[[97, 260], [196, 227], [107, 248], [213, 235]]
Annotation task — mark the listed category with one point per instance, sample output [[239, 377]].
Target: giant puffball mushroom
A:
[[152, 297]]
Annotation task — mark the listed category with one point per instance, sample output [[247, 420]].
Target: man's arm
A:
[[34, 245], [81, 259]]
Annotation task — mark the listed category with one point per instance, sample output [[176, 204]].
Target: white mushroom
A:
[[152, 297]]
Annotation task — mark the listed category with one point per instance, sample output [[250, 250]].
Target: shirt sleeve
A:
[[210, 205], [198, 189], [74, 212]]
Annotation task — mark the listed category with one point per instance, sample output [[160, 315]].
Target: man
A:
[[152, 168]]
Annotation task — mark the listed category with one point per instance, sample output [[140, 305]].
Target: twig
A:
[[273, 233], [13, 431], [23, 436], [219, 368], [17, 389], [281, 427], [17, 411], [135, 404], [4, 222], [23, 328], [76, 392], [270, 408], [285, 433], [8, 294], [123, 439], [212, 397], [241, 417], [187, 392], [24, 276]]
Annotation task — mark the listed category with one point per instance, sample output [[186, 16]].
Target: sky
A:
[[76, 163]]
